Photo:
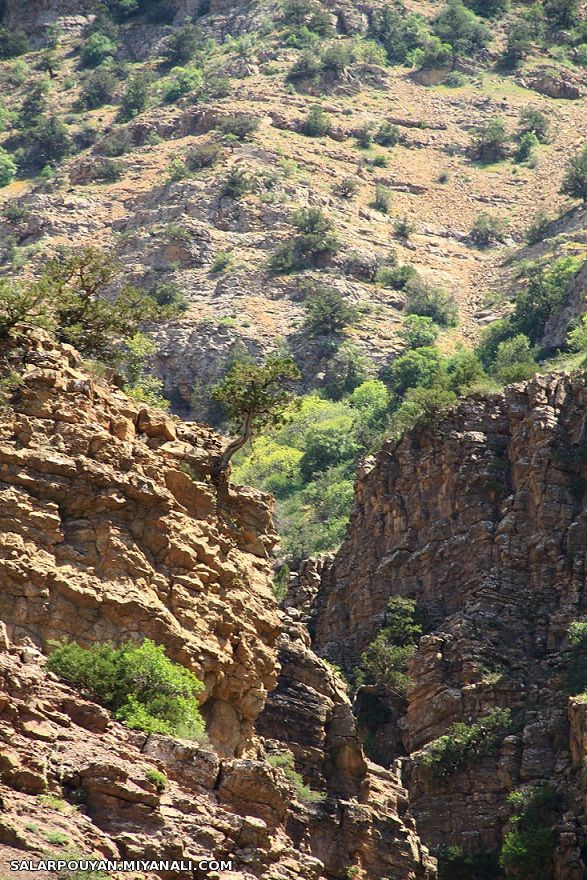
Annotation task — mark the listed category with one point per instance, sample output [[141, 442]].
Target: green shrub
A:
[[489, 141], [464, 371], [285, 761], [489, 8], [387, 135], [402, 228], [526, 147], [529, 846], [454, 864], [487, 230], [182, 44], [383, 664], [222, 261], [107, 170], [346, 188], [534, 121], [184, 81], [345, 370], [98, 88], [425, 407], [575, 180], [418, 331], [461, 29], [8, 168], [158, 779], [49, 140], [326, 447], [519, 44], [542, 295], [514, 360], [307, 67], [118, 143], [364, 136], [399, 32], [538, 229], [419, 367], [328, 312], [337, 57], [455, 80], [433, 54], [98, 49], [423, 299], [396, 277], [241, 126], [236, 184], [137, 95], [13, 43], [316, 123], [134, 361], [204, 156], [314, 240], [382, 200], [139, 683], [467, 743]]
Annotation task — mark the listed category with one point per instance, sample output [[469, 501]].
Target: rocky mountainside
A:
[[112, 528], [482, 522]]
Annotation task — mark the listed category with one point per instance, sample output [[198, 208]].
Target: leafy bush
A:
[[49, 140], [8, 168], [169, 294], [489, 141], [97, 50], [204, 156], [434, 53], [337, 57], [575, 180], [346, 188], [399, 32], [514, 360], [285, 761], [467, 743], [13, 43], [184, 81], [327, 447], [158, 779], [328, 312], [316, 123], [383, 664], [529, 845], [461, 29], [418, 331], [541, 296], [464, 371], [236, 184], [107, 170], [519, 44], [136, 96], [396, 277], [423, 299], [534, 121], [382, 200], [454, 864], [302, 251], [526, 147], [134, 362], [489, 8], [487, 230], [241, 126], [118, 143], [98, 88], [419, 367], [182, 44], [387, 135], [139, 683], [21, 304], [307, 66], [346, 370], [364, 136], [538, 229], [425, 407]]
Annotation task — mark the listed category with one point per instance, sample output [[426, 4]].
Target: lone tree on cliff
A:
[[254, 397]]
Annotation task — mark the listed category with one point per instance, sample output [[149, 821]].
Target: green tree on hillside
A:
[[254, 397]]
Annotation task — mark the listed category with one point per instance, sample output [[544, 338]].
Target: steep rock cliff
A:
[[484, 523], [112, 528]]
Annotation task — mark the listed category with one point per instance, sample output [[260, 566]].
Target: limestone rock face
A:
[[112, 529], [484, 523]]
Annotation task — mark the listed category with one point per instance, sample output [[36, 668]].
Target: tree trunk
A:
[[235, 445]]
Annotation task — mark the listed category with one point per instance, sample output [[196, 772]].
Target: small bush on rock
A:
[[139, 683], [467, 743]]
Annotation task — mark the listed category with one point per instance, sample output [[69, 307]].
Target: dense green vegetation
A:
[[464, 743], [139, 683], [383, 663], [530, 842]]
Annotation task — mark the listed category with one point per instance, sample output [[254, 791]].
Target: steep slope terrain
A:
[[482, 523], [112, 528]]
